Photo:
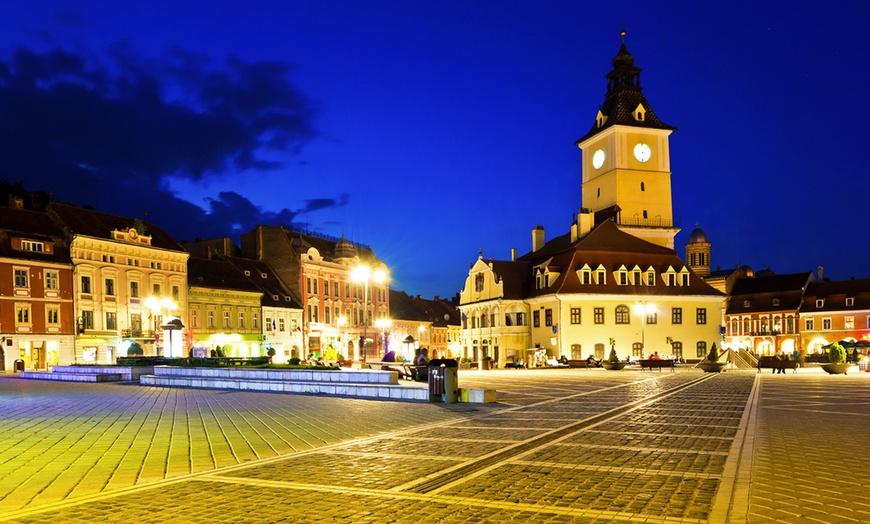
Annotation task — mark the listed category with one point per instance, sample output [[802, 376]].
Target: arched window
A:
[[623, 314], [702, 349], [642, 186]]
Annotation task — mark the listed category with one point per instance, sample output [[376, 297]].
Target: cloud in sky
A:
[[111, 130]]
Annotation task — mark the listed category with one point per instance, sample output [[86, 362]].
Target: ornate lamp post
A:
[[643, 309], [364, 274]]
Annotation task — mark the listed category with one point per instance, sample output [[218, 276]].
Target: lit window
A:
[[701, 315], [849, 323], [22, 315], [598, 315], [21, 278], [575, 315], [52, 315], [29, 245], [51, 280], [623, 314]]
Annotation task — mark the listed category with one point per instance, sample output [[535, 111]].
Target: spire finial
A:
[[480, 252], [697, 224], [622, 34]]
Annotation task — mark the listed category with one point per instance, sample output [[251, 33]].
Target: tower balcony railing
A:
[[648, 222]]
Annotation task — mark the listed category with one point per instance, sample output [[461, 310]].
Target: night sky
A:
[[432, 129]]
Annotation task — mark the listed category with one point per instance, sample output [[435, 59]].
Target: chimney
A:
[[821, 273], [582, 225], [537, 238], [513, 254]]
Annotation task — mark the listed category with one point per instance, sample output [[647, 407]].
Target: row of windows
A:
[[635, 277], [21, 278], [312, 286], [109, 288], [637, 350], [622, 315], [827, 323], [510, 319], [226, 317]]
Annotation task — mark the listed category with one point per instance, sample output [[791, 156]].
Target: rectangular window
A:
[[650, 278], [849, 323], [227, 323], [548, 317], [701, 315], [175, 293], [587, 278], [326, 311], [255, 320], [194, 318], [86, 285], [808, 323], [22, 315], [701, 350], [652, 318], [602, 278], [598, 315], [281, 325], [850, 301], [110, 287], [29, 245], [155, 290], [575, 315], [111, 320], [52, 315], [335, 288], [211, 319], [672, 279], [623, 278], [677, 315], [536, 318], [241, 320], [134, 290], [326, 287], [51, 280], [87, 319], [826, 323], [21, 278]]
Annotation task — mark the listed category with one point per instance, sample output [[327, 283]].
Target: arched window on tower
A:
[[642, 187]]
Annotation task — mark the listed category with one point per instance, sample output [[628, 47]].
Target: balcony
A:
[[647, 222]]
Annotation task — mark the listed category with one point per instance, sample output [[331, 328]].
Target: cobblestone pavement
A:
[[582, 446]]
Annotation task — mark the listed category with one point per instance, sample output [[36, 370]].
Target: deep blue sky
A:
[[431, 129]]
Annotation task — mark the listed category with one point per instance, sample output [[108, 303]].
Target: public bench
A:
[[775, 363], [577, 364], [658, 363], [406, 370]]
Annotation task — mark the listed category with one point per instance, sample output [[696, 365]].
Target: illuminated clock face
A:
[[598, 159], [642, 152]]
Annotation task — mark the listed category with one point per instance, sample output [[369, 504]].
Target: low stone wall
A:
[[129, 373], [70, 376]]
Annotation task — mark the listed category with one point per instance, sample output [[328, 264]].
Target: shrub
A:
[[713, 355], [613, 358], [836, 353], [294, 361]]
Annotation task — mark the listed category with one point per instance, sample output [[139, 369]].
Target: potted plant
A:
[[612, 361], [486, 362], [836, 364], [711, 363]]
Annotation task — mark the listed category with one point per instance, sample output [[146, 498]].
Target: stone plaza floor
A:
[[561, 445]]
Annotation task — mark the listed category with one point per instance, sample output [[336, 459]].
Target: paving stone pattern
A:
[[583, 446]]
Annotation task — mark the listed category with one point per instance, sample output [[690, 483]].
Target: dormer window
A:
[[684, 278], [601, 277], [639, 113], [650, 277], [30, 245], [850, 301], [820, 302], [600, 119], [746, 303], [776, 302], [623, 278], [636, 278]]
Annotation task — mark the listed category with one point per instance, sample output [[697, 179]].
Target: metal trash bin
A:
[[19, 365], [444, 380]]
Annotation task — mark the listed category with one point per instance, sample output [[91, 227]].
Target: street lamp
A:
[[156, 306], [364, 274], [643, 309]]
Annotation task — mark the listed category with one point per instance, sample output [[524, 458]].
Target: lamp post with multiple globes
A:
[[643, 309], [364, 274], [156, 306]]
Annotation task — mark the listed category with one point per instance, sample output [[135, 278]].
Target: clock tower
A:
[[626, 160]]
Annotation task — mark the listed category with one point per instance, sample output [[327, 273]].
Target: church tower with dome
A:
[[698, 252], [626, 159]]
